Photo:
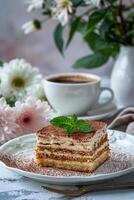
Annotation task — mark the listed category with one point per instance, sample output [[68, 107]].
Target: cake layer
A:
[[72, 144], [51, 132], [69, 155], [73, 165], [47, 154], [82, 148]]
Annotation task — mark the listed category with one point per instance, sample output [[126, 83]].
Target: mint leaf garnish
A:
[[83, 126], [72, 124]]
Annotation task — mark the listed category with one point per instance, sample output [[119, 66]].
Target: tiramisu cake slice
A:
[[77, 150]]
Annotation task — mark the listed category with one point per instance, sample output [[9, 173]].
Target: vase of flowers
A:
[[104, 25], [122, 79]]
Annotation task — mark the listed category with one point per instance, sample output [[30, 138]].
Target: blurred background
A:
[[38, 48]]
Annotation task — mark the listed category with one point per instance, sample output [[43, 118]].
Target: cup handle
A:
[[109, 100]]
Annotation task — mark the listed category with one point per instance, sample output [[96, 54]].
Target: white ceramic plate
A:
[[120, 163], [101, 112]]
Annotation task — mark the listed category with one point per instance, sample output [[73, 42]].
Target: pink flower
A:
[[32, 115], [8, 125]]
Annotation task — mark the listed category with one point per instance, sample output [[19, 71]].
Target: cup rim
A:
[[98, 78]]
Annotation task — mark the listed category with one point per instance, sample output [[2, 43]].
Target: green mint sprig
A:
[[72, 124]]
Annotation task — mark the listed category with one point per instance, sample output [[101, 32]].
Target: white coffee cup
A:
[[69, 98]]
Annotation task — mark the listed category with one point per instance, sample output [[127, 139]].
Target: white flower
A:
[[34, 4], [61, 10], [28, 27], [31, 26], [32, 115], [8, 125], [16, 76], [63, 17], [37, 91], [93, 2]]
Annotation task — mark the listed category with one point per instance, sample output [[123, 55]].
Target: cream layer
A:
[[74, 165], [76, 155], [72, 144]]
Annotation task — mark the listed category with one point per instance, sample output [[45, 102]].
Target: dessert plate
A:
[[18, 155]]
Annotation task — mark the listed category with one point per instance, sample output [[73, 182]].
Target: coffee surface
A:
[[72, 79]]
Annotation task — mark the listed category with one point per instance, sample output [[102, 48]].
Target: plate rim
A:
[[101, 116], [80, 178]]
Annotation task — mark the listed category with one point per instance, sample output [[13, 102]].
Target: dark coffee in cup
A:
[[72, 79]]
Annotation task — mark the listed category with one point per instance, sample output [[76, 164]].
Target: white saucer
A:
[[101, 112]]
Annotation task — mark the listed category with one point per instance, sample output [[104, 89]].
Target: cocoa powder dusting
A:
[[25, 161]]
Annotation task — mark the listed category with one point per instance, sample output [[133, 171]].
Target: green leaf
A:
[[105, 28], [83, 126], [111, 1], [94, 19], [74, 118], [131, 15], [61, 121], [129, 33], [103, 46], [77, 2], [73, 28], [69, 129], [92, 61], [91, 40], [58, 38], [72, 124], [10, 101], [82, 27], [1, 63], [98, 44]]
